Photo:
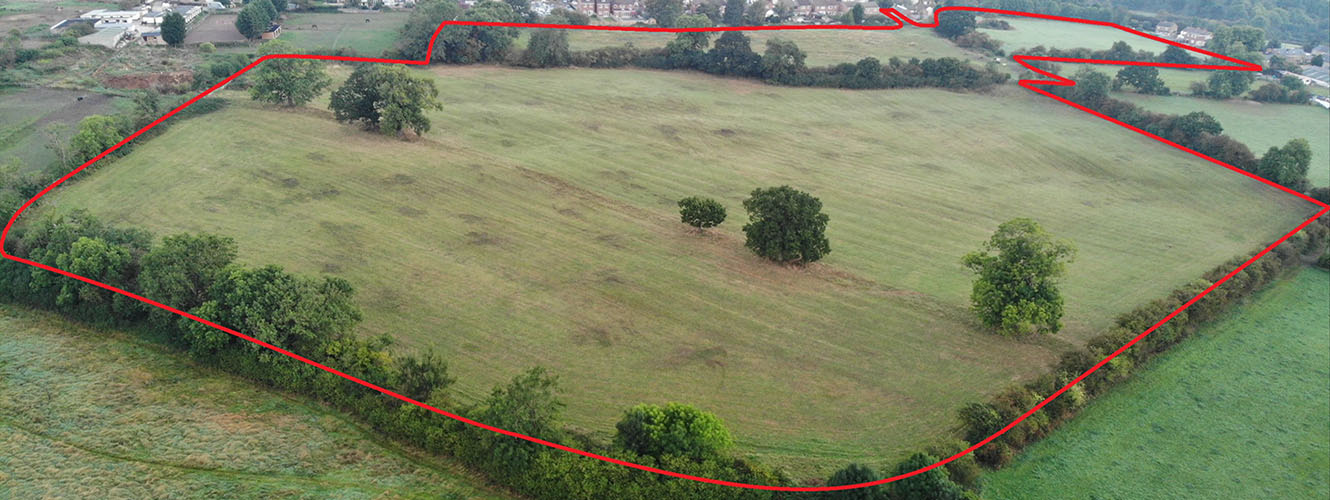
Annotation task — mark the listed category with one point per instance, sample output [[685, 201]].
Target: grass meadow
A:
[[93, 413], [1027, 33], [26, 114], [369, 33], [536, 224], [1238, 411]]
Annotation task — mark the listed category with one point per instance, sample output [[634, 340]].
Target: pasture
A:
[[32, 117], [91, 413], [1027, 33], [824, 47], [369, 34], [1258, 125], [536, 224], [1237, 411]]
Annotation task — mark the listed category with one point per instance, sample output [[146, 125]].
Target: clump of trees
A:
[[287, 82], [1287, 165], [419, 28], [386, 98], [701, 213], [786, 225], [479, 44], [1016, 291], [1289, 90]]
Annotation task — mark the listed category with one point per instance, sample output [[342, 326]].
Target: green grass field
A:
[[1027, 33], [336, 30], [1258, 125], [25, 115], [1242, 410], [824, 47], [97, 414], [536, 224]]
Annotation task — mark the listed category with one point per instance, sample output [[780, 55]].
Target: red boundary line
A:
[[901, 20]]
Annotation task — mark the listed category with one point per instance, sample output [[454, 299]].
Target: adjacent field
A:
[[824, 47], [96, 414], [368, 33], [536, 225], [1027, 33], [1240, 411], [26, 115], [1258, 125]]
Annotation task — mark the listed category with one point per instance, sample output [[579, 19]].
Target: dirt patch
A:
[[217, 28], [410, 211], [481, 238], [726, 132], [169, 79], [710, 357], [471, 219], [399, 180]]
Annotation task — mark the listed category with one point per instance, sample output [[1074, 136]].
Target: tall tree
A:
[[857, 13], [95, 134], [733, 55], [952, 24], [1016, 291], [547, 48], [1288, 165], [478, 44], [782, 60], [786, 225], [288, 82], [183, 269], [386, 98], [734, 12], [527, 405], [173, 29]]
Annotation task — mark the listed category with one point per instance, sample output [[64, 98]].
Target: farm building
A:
[[1196, 37], [113, 37], [1166, 29], [153, 38], [274, 31]]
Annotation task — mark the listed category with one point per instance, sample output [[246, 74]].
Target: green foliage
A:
[[96, 134], [386, 98], [964, 471], [734, 12], [1287, 165], [419, 28], [254, 19], [700, 212], [1016, 292], [733, 55], [424, 378], [1176, 55], [674, 429], [173, 29], [207, 48], [954, 24], [526, 405], [547, 48], [857, 14], [1091, 87], [855, 473], [182, 271], [479, 44], [288, 82], [930, 485], [293, 312], [665, 12], [1144, 78], [782, 60], [786, 225]]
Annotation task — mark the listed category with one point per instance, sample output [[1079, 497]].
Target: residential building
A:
[[1167, 29], [918, 10], [1196, 37]]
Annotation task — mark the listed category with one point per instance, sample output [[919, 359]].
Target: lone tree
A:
[[385, 98], [288, 82], [701, 213], [173, 29], [1015, 291], [674, 429], [786, 225]]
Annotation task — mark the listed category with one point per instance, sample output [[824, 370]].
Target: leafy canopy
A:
[[1016, 292]]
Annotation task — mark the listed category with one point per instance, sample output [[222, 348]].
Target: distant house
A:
[[153, 18], [1167, 29], [1196, 37], [1321, 50], [1310, 80], [273, 32], [1321, 101], [919, 10], [614, 9], [113, 37], [123, 16], [1293, 55]]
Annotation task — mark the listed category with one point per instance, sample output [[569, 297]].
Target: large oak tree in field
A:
[[1016, 291], [288, 82], [786, 225]]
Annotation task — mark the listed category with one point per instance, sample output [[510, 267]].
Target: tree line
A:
[[781, 62]]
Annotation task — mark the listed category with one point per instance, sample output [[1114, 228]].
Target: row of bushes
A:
[[980, 420]]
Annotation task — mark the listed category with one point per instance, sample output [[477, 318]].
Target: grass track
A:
[[93, 413], [1241, 410], [536, 225]]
